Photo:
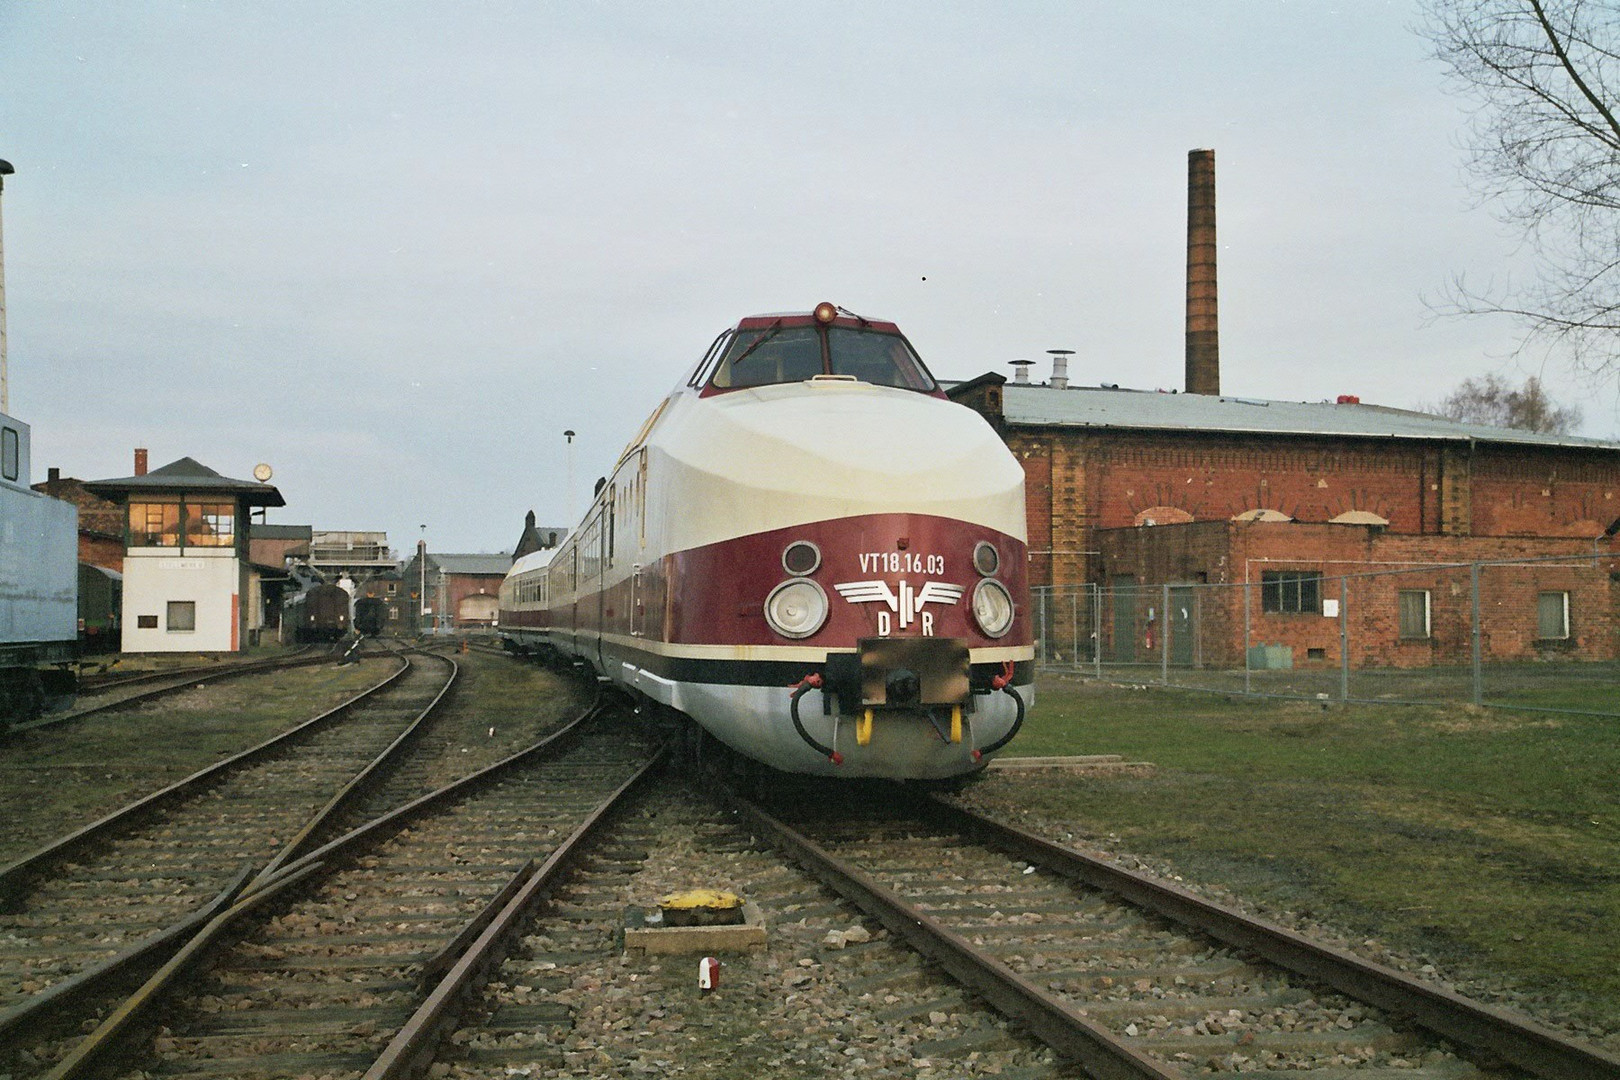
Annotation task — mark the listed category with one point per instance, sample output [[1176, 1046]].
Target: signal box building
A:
[[189, 584], [1129, 489]]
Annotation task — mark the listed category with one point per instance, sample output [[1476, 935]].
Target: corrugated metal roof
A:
[[1090, 406]]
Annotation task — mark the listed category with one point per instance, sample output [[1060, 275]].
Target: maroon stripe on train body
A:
[[717, 593]]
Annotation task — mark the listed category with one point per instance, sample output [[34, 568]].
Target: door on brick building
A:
[[1182, 621], [1124, 596], [480, 610]]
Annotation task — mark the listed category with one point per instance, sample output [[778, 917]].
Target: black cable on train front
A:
[[1003, 682], [810, 682]]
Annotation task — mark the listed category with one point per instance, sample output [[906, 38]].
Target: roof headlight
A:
[[826, 312], [796, 608], [992, 607]]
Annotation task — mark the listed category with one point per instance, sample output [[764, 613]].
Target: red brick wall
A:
[[1077, 482], [1377, 565]]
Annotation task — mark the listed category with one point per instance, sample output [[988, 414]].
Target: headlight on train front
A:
[[992, 607], [797, 608]]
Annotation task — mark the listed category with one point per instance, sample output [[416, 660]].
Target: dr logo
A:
[[907, 603]]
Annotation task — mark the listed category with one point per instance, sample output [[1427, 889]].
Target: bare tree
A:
[[1490, 400], [1545, 153]]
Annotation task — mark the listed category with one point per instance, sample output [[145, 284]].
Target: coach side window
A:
[[10, 454]]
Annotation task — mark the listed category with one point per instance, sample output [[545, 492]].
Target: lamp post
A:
[[421, 566], [569, 435], [5, 382]]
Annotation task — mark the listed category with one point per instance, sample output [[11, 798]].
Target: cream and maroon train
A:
[[809, 551]]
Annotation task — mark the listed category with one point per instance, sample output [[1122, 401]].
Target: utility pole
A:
[[5, 379]]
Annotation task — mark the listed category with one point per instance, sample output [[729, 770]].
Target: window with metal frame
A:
[[1291, 591], [182, 616], [1552, 616], [1413, 614]]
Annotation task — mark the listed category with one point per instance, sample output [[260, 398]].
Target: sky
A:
[[396, 250]]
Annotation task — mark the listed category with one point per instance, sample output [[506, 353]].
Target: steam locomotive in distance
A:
[[808, 550]]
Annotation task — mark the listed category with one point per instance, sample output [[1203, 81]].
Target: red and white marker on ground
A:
[[708, 973]]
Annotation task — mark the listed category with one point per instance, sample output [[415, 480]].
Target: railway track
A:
[[117, 692], [118, 894], [1135, 978], [321, 982], [824, 996]]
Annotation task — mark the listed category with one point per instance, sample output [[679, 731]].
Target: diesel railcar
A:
[[810, 551]]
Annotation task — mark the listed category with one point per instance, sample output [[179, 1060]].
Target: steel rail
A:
[[156, 946], [113, 682], [412, 1047], [46, 1005], [1050, 1018], [95, 1048], [232, 671], [362, 781], [14, 875], [1523, 1043]]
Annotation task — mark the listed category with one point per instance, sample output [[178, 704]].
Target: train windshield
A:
[[784, 354]]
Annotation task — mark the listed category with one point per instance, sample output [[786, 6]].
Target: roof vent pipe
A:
[[1203, 340], [1020, 370], [1060, 367]]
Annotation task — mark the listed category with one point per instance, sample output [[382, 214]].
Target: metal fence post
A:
[[1247, 634], [1074, 627], [1164, 638], [1041, 624], [1344, 638], [1479, 687], [1096, 627]]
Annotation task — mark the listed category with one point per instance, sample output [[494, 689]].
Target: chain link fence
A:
[[1531, 634]]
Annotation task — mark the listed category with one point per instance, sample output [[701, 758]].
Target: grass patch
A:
[[1485, 839]]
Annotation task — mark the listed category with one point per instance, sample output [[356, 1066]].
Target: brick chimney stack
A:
[[140, 461], [1203, 341]]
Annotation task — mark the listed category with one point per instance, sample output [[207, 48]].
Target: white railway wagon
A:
[[39, 583]]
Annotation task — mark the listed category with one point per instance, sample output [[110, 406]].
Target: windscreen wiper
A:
[[774, 329]]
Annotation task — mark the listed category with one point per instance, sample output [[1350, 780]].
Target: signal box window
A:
[[153, 524], [211, 524], [1413, 613], [1552, 616], [1291, 591], [182, 616]]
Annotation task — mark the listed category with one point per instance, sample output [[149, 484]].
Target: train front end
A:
[[847, 589]]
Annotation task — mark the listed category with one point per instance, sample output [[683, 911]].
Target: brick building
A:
[[456, 590], [101, 521], [1129, 490]]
